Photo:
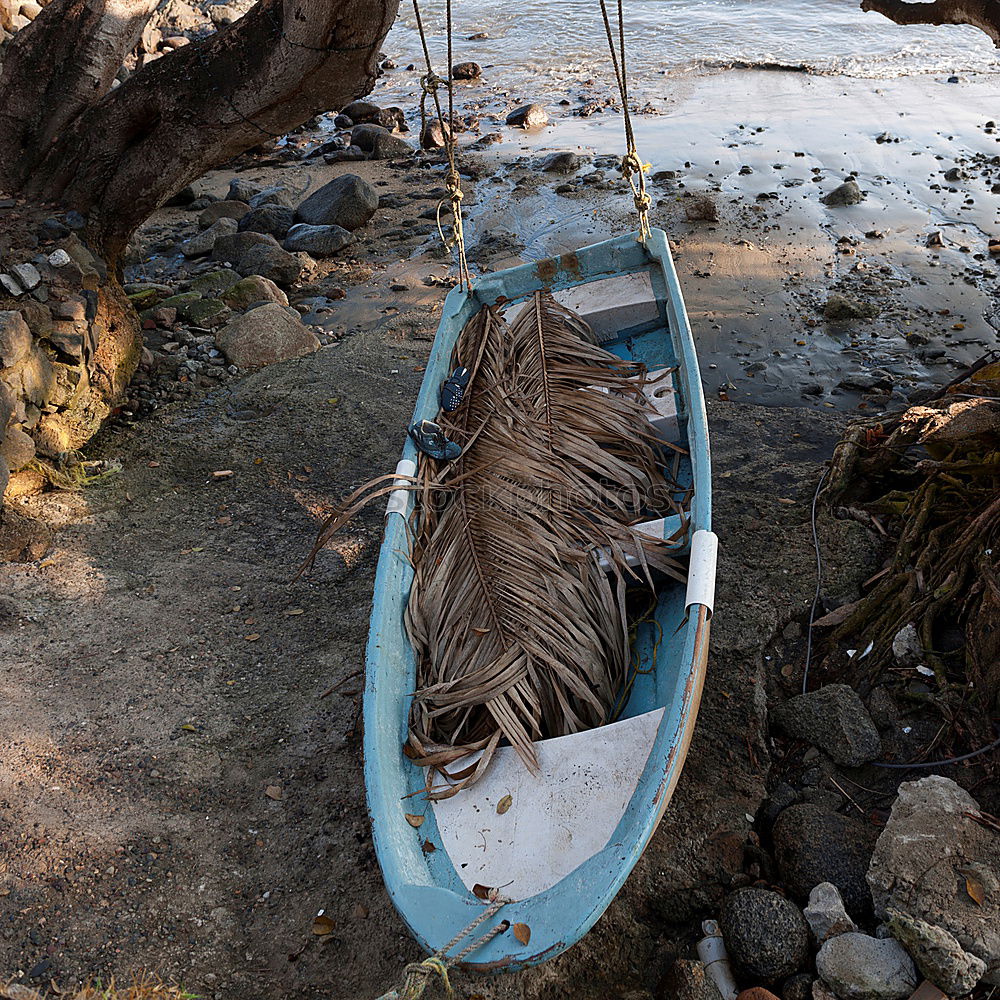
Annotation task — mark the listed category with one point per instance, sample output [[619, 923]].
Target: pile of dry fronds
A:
[[930, 479], [519, 633], [143, 987]]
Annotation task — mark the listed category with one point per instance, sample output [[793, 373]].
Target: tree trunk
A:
[[981, 14], [70, 342], [116, 155]]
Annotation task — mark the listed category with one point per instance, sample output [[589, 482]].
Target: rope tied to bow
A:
[[632, 166], [430, 82], [418, 975]]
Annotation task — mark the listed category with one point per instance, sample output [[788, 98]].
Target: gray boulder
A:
[[221, 210], [938, 956], [379, 143], [528, 116], [361, 111], [847, 193], [320, 241], [258, 253], [253, 290], [266, 335], [349, 201], [834, 719], [859, 967], [242, 190], [228, 248], [766, 935], [929, 856], [270, 218], [277, 194], [202, 243]]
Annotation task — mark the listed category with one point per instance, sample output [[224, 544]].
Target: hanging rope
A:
[[417, 975], [429, 83], [632, 167]]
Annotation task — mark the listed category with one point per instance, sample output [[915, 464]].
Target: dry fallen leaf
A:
[[295, 611], [252, 637], [414, 820], [522, 932], [360, 911], [222, 473], [188, 728], [15, 991], [504, 804], [273, 792], [322, 924], [975, 890]]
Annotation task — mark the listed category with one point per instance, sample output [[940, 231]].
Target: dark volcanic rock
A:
[[813, 845], [320, 241], [834, 719], [766, 935], [349, 201], [560, 163], [847, 193], [268, 218]]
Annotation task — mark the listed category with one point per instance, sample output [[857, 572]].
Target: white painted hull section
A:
[[557, 819]]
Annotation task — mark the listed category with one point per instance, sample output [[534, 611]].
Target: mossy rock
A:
[[213, 283], [207, 312]]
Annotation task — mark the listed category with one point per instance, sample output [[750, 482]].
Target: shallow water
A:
[[564, 38]]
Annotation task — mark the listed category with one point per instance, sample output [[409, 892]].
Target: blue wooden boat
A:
[[558, 845]]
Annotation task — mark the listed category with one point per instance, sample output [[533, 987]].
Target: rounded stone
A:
[[766, 935], [814, 845]]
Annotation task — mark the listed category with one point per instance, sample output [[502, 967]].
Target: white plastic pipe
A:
[[701, 571], [715, 958], [399, 499]]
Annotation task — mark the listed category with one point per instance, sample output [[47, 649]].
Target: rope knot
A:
[[430, 82], [643, 202], [631, 164]]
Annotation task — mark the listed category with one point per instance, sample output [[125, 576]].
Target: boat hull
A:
[[420, 875]]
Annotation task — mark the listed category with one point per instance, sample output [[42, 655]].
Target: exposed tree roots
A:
[[930, 479]]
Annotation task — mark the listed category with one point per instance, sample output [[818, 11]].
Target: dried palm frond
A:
[[519, 633]]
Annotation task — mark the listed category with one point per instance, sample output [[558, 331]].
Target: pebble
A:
[[757, 993], [528, 116], [466, 71], [825, 913], [859, 967], [766, 935], [59, 258], [561, 163], [847, 193], [797, 987], [834, 719], [814, 845], [27, 275]]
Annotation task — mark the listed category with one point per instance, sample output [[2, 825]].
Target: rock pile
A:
[[67, 344], [932, 913]]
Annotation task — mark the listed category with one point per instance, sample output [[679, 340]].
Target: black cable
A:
[[819, 582]]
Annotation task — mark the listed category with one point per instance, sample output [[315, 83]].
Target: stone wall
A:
[[69, 343]]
